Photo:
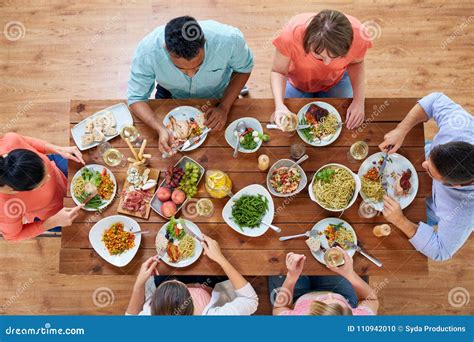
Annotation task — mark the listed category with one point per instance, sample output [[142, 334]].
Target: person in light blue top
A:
[[189, 59], [450, 162]]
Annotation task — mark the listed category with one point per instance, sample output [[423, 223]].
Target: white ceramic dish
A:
[[254, 189], [95, 238], [98, 168], [122, 117], [320, 226], [197, 251], [232, 139], [395, 164], [326, 140], [354, 196], [286, 163], [155, 203], [185, 113]]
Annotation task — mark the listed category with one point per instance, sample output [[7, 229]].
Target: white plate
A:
[[197, 250], [356, 190], [326, 140], [99, 168], [185, 113], [396, 163], [95, 238], [122, 117], [286, 162], [320, 226], [253, 189], [232, 139]]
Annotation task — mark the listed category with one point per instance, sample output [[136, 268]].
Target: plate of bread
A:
[[101, 126]]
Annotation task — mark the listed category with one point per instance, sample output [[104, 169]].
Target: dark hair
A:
[[184, 37], [22, 170], [454, 161], [172, 298], [331, 31]]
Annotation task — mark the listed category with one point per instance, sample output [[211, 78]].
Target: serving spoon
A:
[[275, 228], [240, 129]]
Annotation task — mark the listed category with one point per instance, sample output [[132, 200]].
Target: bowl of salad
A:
[[283, 181], [251, 139]]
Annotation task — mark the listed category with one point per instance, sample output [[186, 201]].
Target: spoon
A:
[[275, 228], [299, 161], [240, 129]]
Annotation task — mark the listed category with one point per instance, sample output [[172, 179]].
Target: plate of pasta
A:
[[401, 177], [113, 239], [182, 249], [334, 187], [325, 121], [93, 179]]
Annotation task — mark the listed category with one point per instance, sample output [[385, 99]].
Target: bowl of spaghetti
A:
[[334, 187]]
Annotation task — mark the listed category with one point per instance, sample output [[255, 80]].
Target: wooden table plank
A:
[[288, 211], [78, 237], [376, 109], [372, 135], [220, 158], [248, 262], [241, 180]]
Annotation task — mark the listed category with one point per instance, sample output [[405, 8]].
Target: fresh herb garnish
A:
[[325, 175]]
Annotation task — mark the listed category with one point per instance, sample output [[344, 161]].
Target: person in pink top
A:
[[185, 296], [346, 294], [321, 55], [33, 186]]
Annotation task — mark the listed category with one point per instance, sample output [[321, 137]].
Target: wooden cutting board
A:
[[154, 174]]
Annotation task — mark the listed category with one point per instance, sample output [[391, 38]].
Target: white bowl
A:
[[253, 189], [232, 139], [95, 238], [287, 163], [354, 196], [197, 251]]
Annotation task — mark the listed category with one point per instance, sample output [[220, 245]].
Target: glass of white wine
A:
[[131, 133], [205, 207], [358, 151], [111, 156]]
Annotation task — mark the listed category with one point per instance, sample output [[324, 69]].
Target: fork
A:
[[309, 233]]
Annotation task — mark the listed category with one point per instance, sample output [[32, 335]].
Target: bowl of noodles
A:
[[181, 248], [334, 187], [325, 123]]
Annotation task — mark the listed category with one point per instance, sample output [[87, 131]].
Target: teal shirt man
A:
[[189, 59], [225, 52]]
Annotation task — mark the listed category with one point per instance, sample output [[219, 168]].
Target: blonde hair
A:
[[318, 308]]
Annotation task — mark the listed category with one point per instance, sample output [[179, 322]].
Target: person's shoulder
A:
[[152, 43], [11, 136]]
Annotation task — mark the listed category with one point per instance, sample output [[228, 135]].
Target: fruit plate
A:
[[155, 202]]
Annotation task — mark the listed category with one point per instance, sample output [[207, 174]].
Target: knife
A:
[[190, 232], [361, 251], [274, 126], [188, 143]]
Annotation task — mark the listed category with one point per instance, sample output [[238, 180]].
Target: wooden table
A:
[[264, 255]]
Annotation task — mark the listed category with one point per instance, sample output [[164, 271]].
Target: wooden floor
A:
[[83, 50]]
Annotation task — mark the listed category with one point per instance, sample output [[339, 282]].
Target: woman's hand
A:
[[63, 218], [393, 140], [347, 269], [69, 153], [148, 268], [212, 249], [355, 114], [279, 114], [295, 264]]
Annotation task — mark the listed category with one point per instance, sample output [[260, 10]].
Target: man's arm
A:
[[237, 82], [396, 136]]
